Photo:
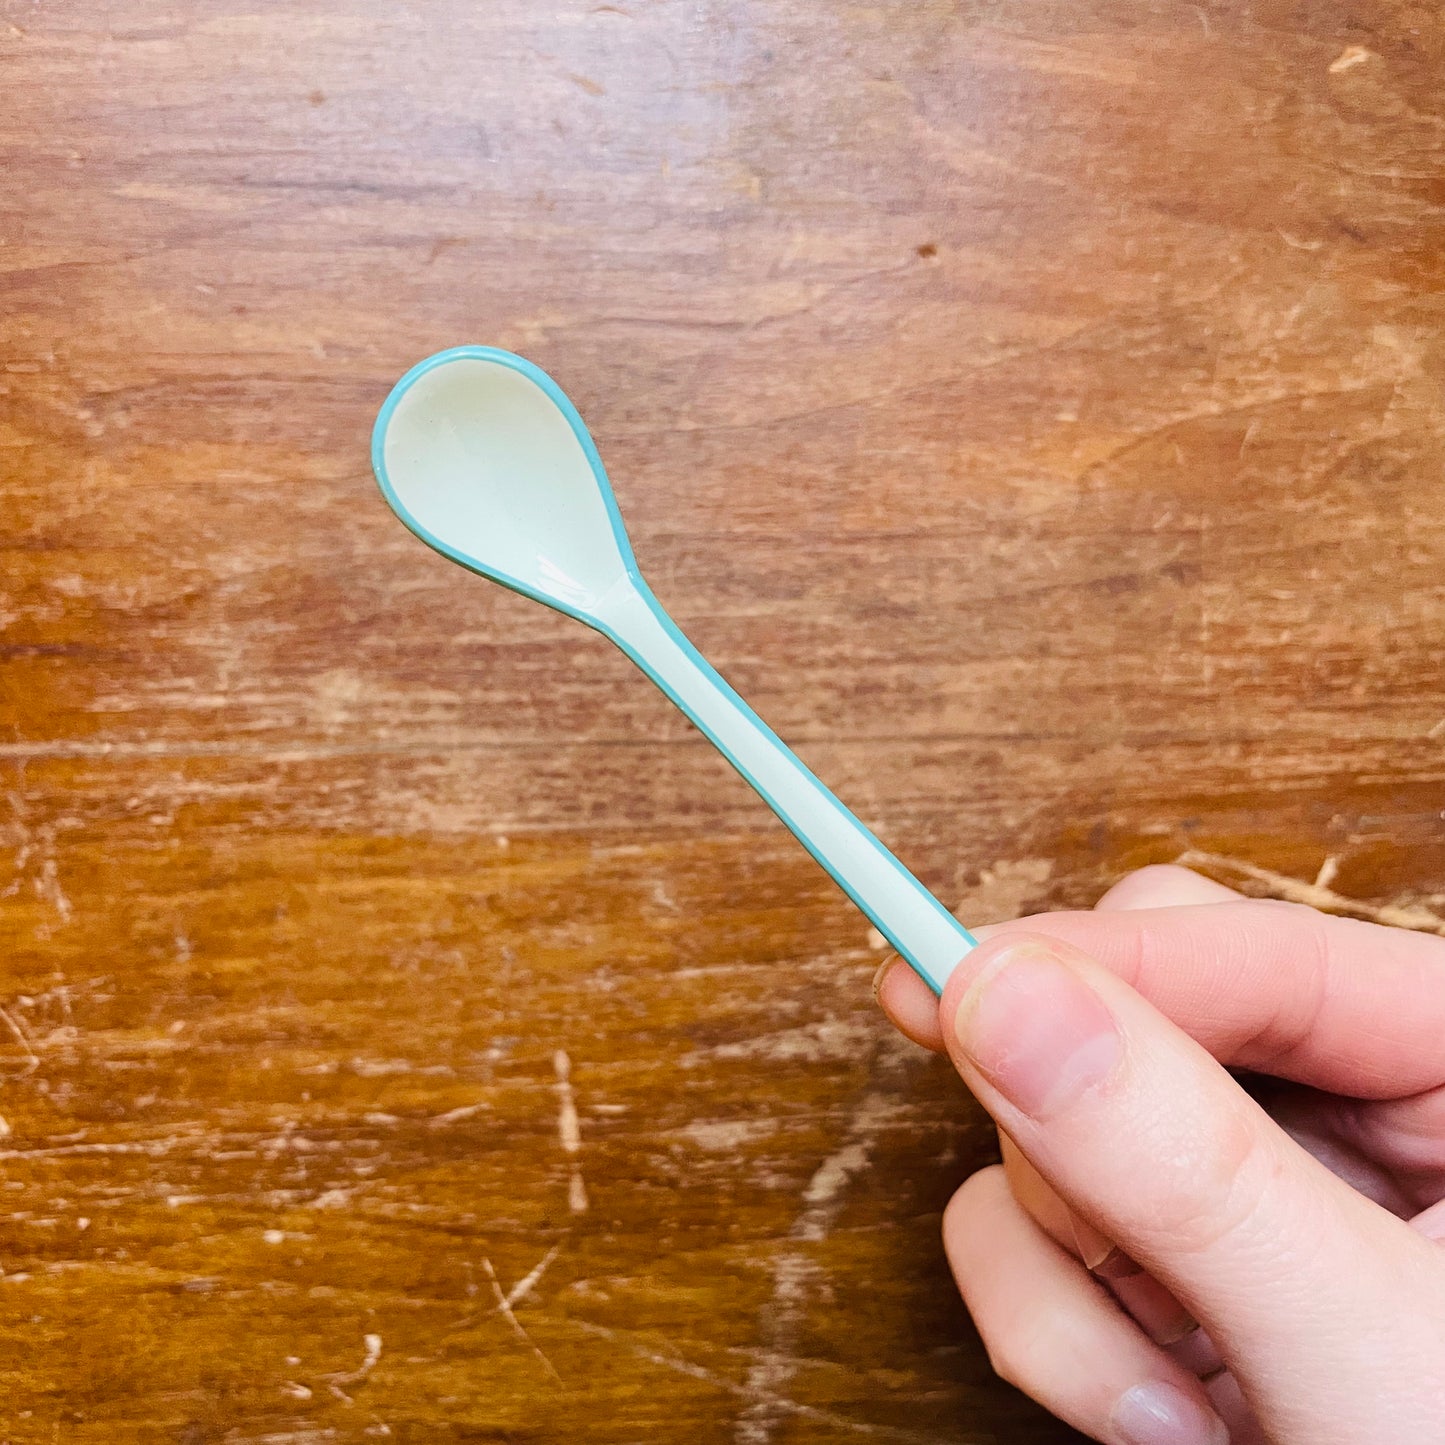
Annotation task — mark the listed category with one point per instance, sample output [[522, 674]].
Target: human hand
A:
[[1099, 1042]]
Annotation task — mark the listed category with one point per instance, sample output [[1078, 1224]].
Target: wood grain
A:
[[1036, 409]]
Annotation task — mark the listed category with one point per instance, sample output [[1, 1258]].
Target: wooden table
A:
[[1036, 409]]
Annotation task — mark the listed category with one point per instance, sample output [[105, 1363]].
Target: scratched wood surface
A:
[[1035, 408]]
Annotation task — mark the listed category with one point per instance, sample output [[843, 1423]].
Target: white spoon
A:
[[481, 454]]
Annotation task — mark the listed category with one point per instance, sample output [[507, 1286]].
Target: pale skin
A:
[[1170, 1254]]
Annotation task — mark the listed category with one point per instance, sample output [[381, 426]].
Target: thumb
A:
[[1319, 1301]]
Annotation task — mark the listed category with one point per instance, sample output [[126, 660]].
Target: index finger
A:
[[1356, 1008]]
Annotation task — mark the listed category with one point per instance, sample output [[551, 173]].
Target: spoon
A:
[[482, 456]]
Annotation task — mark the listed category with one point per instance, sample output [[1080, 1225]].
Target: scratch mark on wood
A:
[[153, 1148], [504, 1308], [453, 1116], [569, 1131], [812, 1043], [1349, 57], [1003, 889], [32, 1059], [794, 1272], [25, 846], [781, 1403], [531, 1279], [47, 886], [334, 1382], [1316, 895]]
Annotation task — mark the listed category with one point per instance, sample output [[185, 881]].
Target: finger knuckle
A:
[[969, 1221], [1162, 873], [973, 1198], [1204, 1190], [1008, 1354], [1154, 880], [1013, 1338], [972, 1218]]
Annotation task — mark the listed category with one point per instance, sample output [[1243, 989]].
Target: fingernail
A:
[[1039, 1034], [881, 974], [1102, 1256], [1180, 1328], [1116, 1265], [1162, 1414], [1432, 1222]]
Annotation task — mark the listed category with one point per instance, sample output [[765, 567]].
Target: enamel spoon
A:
[[482, 456]]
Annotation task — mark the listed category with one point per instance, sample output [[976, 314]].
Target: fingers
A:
[[1098, 1255], [1163, 885], [1050, 1329], [1405, 1137], [909, 1003], [1351, 1007], [1150, 1305], [1371, 1147], [1146, 1137], [913, 1009]]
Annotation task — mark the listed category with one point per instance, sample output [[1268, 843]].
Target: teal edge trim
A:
[[579, 430]]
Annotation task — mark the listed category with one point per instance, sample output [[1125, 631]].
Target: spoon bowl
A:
[[482, 455]]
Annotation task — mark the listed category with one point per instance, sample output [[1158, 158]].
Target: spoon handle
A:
[[925, 934]]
